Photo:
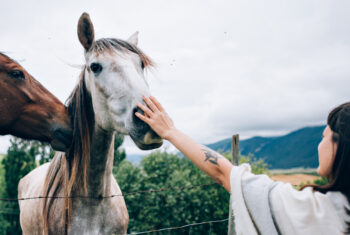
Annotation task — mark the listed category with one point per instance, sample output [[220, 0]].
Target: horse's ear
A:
[[86, 32], [134, 38]]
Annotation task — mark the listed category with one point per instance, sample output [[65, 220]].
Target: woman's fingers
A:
[[145, 109], [143, 118], [150, 104], [156, 102], [151, 108]]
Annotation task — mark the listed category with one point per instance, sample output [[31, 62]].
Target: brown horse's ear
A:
[[86, 32]]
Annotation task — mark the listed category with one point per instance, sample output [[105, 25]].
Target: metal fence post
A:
[[235, 160]]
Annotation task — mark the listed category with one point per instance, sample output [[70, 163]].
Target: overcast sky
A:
[[223, 67]]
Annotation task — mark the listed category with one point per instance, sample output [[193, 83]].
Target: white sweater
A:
[[262, 206]]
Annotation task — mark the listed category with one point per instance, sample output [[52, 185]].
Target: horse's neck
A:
[[101, 162]]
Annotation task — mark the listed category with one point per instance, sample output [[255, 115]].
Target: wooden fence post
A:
[[235, 160]]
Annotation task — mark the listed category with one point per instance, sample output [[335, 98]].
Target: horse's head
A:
[[28, 110], [114, 77]]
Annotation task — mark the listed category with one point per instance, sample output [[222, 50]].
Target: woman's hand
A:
[[156, 117], [211, 163]]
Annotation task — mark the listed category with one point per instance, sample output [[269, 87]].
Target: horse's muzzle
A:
[[62, 139]]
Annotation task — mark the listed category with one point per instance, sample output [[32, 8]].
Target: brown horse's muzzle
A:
[[62, 138]]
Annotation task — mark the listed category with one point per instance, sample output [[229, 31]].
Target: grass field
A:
[[295, 179]]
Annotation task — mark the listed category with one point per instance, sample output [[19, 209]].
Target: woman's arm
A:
[[209, 161]]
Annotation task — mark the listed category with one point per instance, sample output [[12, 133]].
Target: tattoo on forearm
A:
[[211, 156]]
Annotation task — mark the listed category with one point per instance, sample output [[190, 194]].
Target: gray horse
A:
[[104, 101]]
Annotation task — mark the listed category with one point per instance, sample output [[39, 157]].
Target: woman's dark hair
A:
[[339, 179], [339, 122]]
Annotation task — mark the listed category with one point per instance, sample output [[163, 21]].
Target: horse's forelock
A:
[[111, 44]]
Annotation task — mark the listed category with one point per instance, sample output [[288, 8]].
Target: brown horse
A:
[[104, 101], [28, 110]]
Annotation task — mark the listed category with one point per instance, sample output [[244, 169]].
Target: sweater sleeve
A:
[[250, 204], [256, 190], [303, 212]]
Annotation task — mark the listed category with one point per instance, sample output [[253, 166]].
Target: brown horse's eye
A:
[[96, 68], [17, 74]]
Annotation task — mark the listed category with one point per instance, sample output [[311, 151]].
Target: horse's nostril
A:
[[137, 121], [137, 110]]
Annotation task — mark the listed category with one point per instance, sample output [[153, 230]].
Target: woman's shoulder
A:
[[243, 173], [306, 209]]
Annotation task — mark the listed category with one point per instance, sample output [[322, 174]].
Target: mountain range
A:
[[295, 149]]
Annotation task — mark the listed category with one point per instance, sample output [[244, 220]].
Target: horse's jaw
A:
[[148, 141]]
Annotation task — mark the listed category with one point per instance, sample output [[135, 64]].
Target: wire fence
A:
[[111, 196], [15, 212], [180, 227]]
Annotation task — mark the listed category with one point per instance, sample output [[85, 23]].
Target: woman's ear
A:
[[86, 33]]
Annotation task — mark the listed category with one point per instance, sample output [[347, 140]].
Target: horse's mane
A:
[[69, 170]]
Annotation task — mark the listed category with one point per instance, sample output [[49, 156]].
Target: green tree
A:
[[20, 160], [22, 157], [44, 151], [175, 207], [119, 154], [258, 166], [321, 181], [4, 224]]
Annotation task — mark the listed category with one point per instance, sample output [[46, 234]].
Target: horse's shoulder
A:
[[115, 189], [33, 178], [40, 171]]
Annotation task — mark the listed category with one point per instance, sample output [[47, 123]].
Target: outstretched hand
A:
[[156, 117], [211, 163]]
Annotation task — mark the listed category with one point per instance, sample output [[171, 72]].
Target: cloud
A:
[[224, 67]]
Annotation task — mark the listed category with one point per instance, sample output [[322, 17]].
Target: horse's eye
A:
[[96, 67], [142, 65], [17, 74]]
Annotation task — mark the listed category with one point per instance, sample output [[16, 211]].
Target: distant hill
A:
[[134, 158], [296, 149]]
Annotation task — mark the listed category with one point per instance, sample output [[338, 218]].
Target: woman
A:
[[262, 206]]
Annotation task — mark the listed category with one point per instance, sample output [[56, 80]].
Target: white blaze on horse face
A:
[[116, 89]]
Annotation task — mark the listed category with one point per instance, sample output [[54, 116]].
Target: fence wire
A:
[[113, 195], [179, 227]]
